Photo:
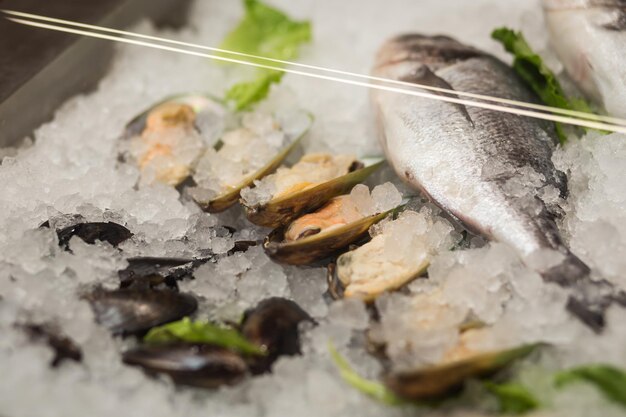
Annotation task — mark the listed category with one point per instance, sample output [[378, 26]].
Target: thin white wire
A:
[[411, 85], [522, 112]]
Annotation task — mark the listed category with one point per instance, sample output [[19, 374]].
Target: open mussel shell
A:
[[282, 210], [231, 196], [197, 365], [200, 103], [319, 246], [341, 284], [437, 381], [131, 311], [273, 325]]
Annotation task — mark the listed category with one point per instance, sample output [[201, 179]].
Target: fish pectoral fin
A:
[[424, 75]]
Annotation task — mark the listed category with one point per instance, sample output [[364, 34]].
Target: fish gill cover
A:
[[531, 68], [267, 32]]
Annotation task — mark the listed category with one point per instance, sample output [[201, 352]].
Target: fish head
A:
[[400, 57], [416, 58]]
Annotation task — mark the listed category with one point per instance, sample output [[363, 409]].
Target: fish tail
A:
[[568, 273], [589, 299], [591, 308]]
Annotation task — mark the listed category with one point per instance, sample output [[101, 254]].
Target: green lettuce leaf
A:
[[368, 387], [267, 32], [610, 380], [513, 398], [531, 68], [243, 94], [202, 332]]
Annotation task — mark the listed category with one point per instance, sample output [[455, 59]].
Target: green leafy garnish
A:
[[610, 380], [513, 398], [268, 32], [246, 93], [368, 387], [202, 332], [530, 67]]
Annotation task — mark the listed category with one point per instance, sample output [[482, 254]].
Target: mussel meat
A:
[[393, 257], [166, 140], [342, 221], [206, 111]]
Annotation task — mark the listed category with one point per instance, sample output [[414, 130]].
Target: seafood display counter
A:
[[264, 208]]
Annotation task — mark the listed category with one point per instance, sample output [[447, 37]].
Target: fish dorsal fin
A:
[[424, 75]]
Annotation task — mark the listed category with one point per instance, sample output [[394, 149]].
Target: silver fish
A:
[[589, 37], [487, 169]]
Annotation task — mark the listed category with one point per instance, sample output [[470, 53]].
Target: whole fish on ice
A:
[[589, 36], [486, 168]]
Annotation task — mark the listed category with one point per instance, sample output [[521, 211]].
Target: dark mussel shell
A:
[[90, 232], [196, 365], [273, 323], [130, 311], [146, 272], [64, 347]]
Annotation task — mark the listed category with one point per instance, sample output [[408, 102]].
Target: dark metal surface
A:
[[40, 69]]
